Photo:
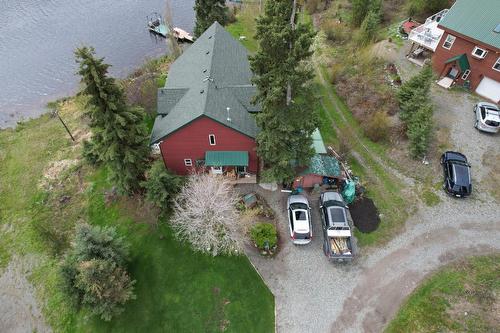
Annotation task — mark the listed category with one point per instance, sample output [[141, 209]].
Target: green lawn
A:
[[459, 298], [245, 26], [177, 289]]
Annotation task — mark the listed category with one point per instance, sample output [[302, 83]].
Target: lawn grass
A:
[[458, 298], [245, 26], [177, 289]]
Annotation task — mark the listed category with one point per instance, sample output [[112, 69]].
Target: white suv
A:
[[487, 117], [299, 219]]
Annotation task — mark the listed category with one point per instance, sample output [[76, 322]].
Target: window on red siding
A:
[[211, 139], [466, 74], [479, 52], [448, 43], [188, 162], [496, 66]]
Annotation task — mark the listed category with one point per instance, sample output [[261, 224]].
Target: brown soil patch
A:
[[55, 170], [365, 214]]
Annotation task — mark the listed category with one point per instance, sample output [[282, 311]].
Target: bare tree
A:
[[205, 215], [172, 42]]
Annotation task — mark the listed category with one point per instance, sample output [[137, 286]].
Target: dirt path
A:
[[19, 310]]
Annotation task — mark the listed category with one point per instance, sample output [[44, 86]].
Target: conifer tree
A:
[[207, 12], [287, 118], [360, 9], [119, 135]]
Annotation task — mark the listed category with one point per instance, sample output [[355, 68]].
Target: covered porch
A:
[[455, 68], [231, 165]]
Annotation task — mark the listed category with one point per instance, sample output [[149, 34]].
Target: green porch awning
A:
[[463, 62], [226, 158]]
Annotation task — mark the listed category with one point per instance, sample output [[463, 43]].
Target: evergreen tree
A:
[[93, 271], [369, 28], [119, 134], [162, 185], [207, 12], [360, 9], [416, 110], [419, 130], [287, 118]]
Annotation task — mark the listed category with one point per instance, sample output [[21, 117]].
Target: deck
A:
[[428, 34]]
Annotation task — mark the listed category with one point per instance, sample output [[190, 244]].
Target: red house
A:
[[205, 115], [468, 53]]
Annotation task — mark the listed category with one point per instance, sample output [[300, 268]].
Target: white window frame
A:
[[466, 74], [217, 170], [450, 39], [188, 162], [210, 136], [485, 52], [495, 64]]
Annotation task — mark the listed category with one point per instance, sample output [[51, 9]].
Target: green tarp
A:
[[463, 62], [226, 158]]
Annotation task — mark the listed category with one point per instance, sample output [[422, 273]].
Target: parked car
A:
[[299, 219], [487, 117], [337, 238], [457, 174]]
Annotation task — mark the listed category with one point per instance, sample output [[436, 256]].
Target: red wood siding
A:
[[479, 67], [192, 142]]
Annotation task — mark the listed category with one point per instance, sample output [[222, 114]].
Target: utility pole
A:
[[64, 124]]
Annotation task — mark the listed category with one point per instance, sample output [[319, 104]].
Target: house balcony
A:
[[428, 34]]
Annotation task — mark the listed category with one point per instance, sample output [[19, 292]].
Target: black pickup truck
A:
[[337, 243]]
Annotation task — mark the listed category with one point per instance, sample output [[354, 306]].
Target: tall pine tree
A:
[[207, 12], [287, 119], [119, 136]]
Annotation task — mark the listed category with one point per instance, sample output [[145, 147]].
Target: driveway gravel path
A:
[[313, 295]]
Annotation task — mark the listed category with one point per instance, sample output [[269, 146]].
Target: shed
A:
[[321, 167]]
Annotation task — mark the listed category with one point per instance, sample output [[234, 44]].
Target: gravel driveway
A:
[[314, 295]]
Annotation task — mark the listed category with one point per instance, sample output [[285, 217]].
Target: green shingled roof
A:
[[323, 165], [213, 74], [476, 19]]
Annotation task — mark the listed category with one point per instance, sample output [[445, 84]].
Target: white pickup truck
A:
[[337, 244]]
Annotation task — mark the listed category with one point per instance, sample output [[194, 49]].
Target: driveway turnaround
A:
[[314, 295]]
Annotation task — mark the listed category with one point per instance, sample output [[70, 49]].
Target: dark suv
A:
[[457, 178]]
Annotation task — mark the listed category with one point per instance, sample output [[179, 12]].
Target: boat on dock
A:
[[157, 25], [182, 35]]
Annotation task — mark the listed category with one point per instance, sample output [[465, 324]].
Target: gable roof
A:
[[476, 19], [212, 75]]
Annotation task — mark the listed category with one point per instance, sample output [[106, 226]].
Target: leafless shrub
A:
[[205, 215]]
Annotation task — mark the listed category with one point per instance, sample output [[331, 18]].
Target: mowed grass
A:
[[459, 298], [177, 290]]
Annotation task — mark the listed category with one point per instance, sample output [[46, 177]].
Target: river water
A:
[[38, 37]]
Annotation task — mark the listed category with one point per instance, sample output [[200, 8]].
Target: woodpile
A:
[[339, 245]]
